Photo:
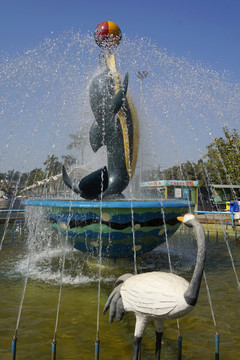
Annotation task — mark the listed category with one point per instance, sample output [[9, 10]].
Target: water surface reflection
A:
[[78, 311]]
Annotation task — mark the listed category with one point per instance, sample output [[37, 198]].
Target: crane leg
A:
[[136, 347], [158, 345]]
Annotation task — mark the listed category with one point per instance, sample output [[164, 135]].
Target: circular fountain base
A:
[[116, 225]]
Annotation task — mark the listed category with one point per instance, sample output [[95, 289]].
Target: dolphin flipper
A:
[[96, 137], [118, 99]]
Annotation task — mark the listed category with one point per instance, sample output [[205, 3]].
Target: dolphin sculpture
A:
[[116, 127]]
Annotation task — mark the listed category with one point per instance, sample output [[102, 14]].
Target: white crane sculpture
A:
[[157, 296]]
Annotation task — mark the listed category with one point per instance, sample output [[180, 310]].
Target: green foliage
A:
[[11, 182], [221, 164], [52, 166], [34, 176], [80, 140], [184, 171], [223, 158], [68, 160], [23, 178]]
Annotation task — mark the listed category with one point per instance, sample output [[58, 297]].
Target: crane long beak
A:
[[180, 218]]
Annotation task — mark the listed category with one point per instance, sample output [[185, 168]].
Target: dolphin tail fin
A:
[[68, 182], [92, 185], [118, 99]]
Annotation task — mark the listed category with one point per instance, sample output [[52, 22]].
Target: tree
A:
[[52, 166], [184, 171], [68, 160], [80, 140], [9, 175], [23, 179], [35, 175], [223, 158]]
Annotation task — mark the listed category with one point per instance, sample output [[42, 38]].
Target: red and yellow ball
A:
[[107, 34]]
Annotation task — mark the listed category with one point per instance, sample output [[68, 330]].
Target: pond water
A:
[[76, 332]]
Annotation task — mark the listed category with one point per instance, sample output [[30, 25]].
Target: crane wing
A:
[[155, 293]]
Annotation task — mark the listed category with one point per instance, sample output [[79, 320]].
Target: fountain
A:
[[116, 127], [183, 107]]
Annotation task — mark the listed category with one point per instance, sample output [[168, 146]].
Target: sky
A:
[[205, 32]]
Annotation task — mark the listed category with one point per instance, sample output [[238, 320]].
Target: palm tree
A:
[[35, 175], [52, 165], [80, 140], [68, 161]]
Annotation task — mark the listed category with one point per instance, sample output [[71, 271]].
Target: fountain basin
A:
[[117, 223]]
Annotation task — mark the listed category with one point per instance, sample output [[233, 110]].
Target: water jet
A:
[[116, 128], [184, 105]]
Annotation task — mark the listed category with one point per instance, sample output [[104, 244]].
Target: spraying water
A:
[[183, 107], [45, 98]]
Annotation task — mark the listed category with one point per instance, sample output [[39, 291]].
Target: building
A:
[[172, 189], [224, 195]]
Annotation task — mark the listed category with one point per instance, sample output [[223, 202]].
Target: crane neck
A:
[[191, 295]]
